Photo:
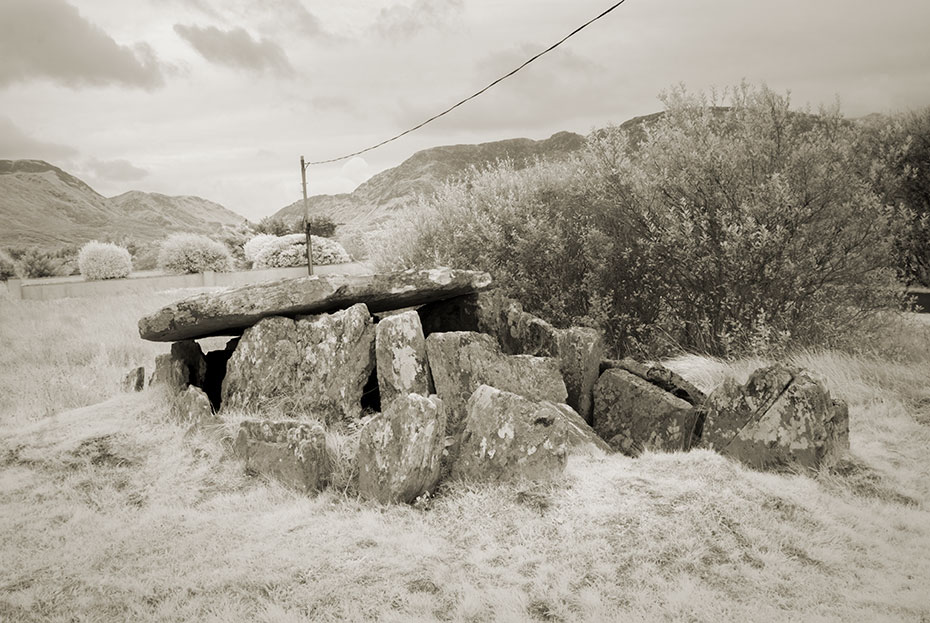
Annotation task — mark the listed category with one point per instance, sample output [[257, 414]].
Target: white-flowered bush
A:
[[291, 250], [104, 260], [193, 253]]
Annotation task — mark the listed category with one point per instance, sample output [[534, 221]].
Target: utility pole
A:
[[303, 177]]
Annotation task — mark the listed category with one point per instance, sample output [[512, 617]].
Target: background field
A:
[[110, 513]]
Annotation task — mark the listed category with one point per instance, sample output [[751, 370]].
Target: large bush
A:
[[35, 263], [104, 260], [291, 250], [7, 266], [725, 229], [193, 253]]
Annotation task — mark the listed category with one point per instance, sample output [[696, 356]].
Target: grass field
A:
[[108, 512]]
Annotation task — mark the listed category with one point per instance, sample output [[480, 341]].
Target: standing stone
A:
[[184, 365], [400, 450], [400, 353], [337, 355], [134, 381], [462, 361], [798, 425], [262, 370], [290, 451], [192, 407], [633, 414], [509, 437]]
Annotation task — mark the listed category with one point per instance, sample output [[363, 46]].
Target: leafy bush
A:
[[235, 239], [104, 260], [724, 230], [193, 253], [251, 248], [322, 226], [291, 250], [35, 263], [276, 227], [7, 266]]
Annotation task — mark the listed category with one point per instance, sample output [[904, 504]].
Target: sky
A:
[[220, 98]]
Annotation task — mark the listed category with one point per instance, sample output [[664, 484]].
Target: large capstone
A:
[[632, 414], [230, 312], [508, 437], [781, 418], [289, 451], [400, 450], [400, 353], [578, 350], [461, 361], [315, 366]]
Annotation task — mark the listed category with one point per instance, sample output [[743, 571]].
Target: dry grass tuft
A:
[[110, 512]]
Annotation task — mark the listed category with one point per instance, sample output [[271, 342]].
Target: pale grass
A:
[[111, 513]]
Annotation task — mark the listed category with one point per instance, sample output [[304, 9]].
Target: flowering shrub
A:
[[104, 260], [251, 248], [291, 250], [193, 253]]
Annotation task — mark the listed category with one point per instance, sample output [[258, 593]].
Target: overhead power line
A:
[[477, 93]]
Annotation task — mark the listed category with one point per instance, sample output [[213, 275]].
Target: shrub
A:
[[7, 266], [104, 260], [322, 226], [35, 263], [724, 230], [251, 248], [193, 253], [275, 227], [291, 250]]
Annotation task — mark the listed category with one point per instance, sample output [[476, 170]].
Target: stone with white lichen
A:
[[400, 353]]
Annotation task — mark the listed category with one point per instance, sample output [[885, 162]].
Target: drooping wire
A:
[[473, 95]]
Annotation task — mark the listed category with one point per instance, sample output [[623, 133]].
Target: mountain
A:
[[43, 205], [372, 203]]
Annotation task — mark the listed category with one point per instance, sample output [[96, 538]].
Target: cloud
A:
[[403, 22], [16, 145], [235, 48], [50, 39], [115, 170]]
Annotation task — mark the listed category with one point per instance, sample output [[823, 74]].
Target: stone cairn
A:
[[462, 381]]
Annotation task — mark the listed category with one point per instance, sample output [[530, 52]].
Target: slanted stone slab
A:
[[400, 450], [289, 451], [508, 437], [315, 366], [632, 414], [461, 361], [659, 375], [799, 426], [400, 352], [134, 381], [579, 350], [230, 312]]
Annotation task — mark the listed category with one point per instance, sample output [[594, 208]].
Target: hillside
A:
[[372, 203], [43, 205]]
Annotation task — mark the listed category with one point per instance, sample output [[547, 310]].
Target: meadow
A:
[[109, 512]]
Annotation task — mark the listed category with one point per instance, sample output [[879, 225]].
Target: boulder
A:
[[134, 381], [658, 375], [400, 353], [230, 312], [184, 365], [401, 448], [192, 407], [315, 366], [632, 414], [579, 350], [461, 361], [508, 437], [336, 357], [579, 433], [782, 418], [289, 451]]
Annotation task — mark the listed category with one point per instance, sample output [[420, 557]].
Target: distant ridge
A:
[[42, 205]]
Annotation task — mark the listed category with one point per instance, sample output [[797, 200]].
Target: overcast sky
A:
[[220, 98]]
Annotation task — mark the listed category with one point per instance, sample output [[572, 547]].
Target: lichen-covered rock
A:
[[192, 407], [134, 381], [232, 311], [290, 451], [783, 424], [262, 369], [400, 449], [461, 361], [632, 414], [578, 350], [400, 353], [184, 365], [579, 433], [337, 355], [508, 437], [660, 376], [731, 406]]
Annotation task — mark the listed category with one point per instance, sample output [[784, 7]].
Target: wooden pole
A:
[[303, 178]]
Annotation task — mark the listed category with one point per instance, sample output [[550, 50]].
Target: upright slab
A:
[[230, 312]]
